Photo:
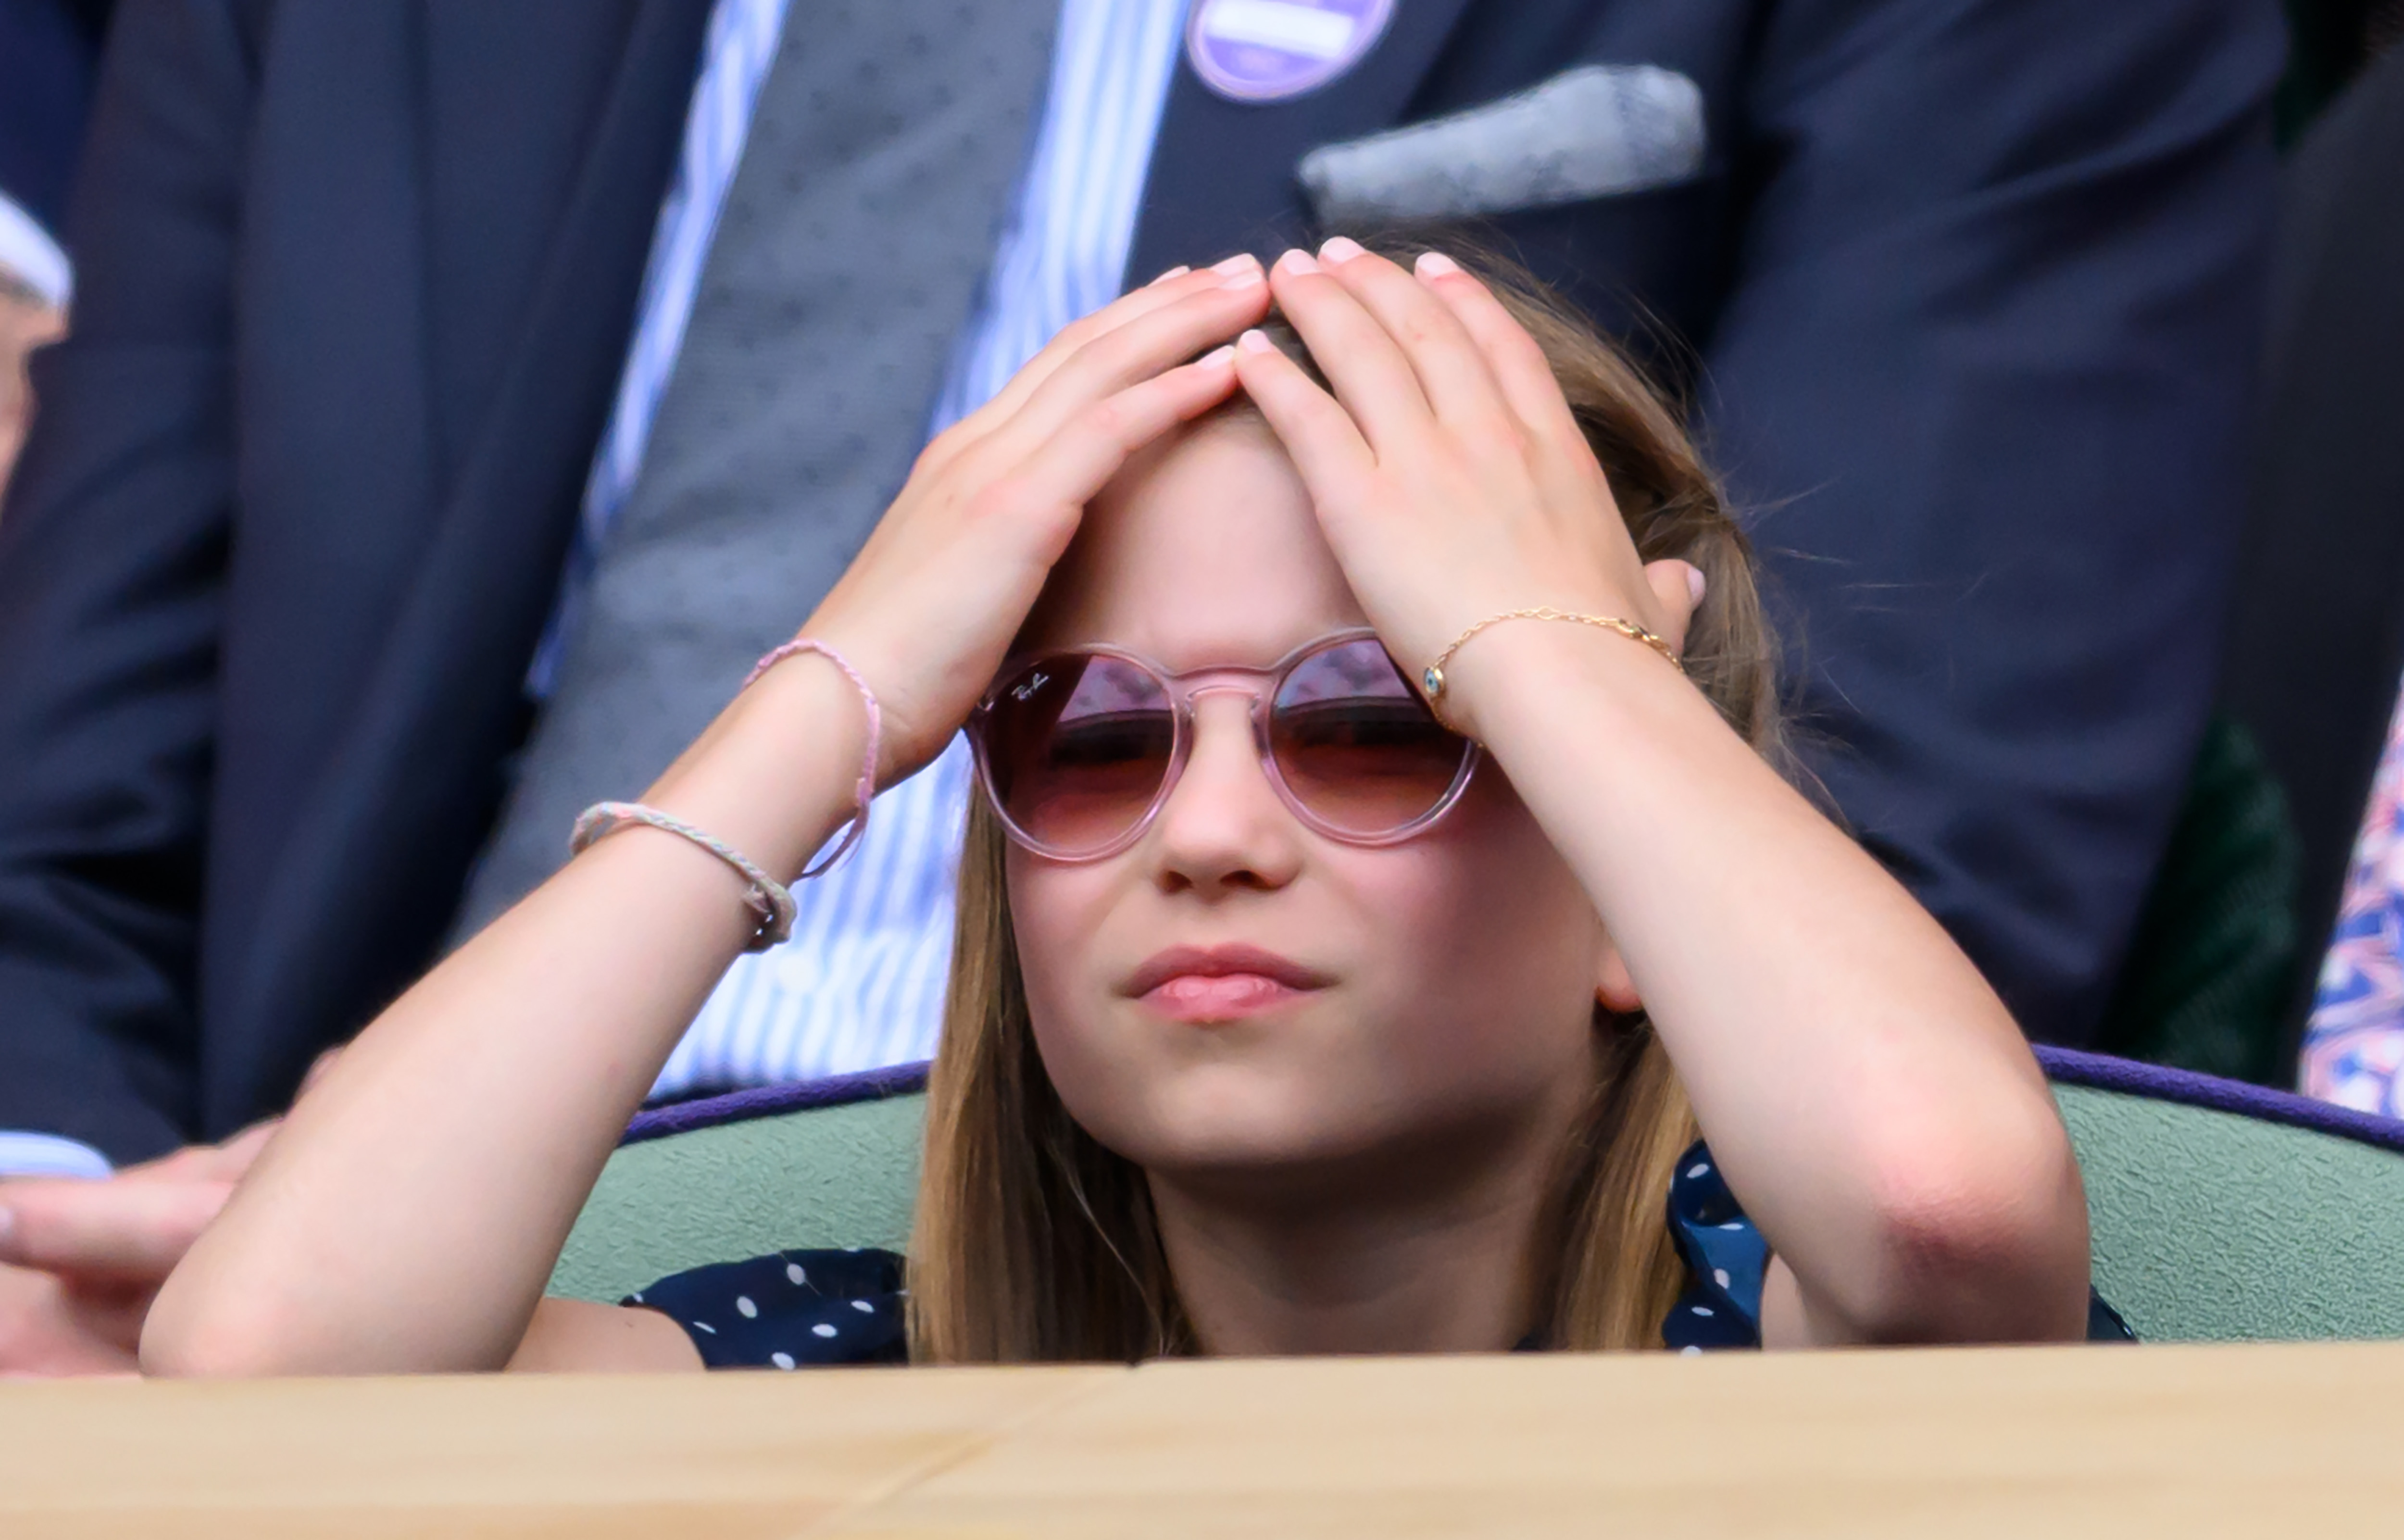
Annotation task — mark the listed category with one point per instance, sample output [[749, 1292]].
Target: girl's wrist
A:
[[776, 775], [1517, 681]]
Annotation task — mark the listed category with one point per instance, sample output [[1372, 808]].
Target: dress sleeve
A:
[[788, 1309], [1726, 1260]]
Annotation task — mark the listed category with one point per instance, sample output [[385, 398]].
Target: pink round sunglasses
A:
[[1078, 750]]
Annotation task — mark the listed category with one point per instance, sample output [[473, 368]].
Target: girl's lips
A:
[[1218, 983], [1218, 997]]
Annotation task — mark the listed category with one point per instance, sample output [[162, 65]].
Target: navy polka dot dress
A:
[[788, 1309], [816, 1308]]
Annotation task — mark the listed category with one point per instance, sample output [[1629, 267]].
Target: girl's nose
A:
[[1224, 825]]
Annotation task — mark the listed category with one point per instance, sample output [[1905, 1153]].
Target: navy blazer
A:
[[47, 52], [1973, 284]]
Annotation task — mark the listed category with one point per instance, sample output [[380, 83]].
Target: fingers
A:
[[49, 1326], [1320, 436], [1141, 348], [1514, 361], [227, 1162], [1372, 375], [1085, 451], [124, 1229], [224, 1162], [1452, 369], [1678, 591], [1557, 444], [1207, 297]]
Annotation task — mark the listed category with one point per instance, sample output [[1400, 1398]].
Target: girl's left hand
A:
[[1449, 473]]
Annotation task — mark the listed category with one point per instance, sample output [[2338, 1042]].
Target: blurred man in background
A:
[[463, 394]]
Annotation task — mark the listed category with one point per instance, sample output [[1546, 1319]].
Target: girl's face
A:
[[1329, 1009]]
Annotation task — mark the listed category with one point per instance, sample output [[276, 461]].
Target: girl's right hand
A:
[[929, 607]]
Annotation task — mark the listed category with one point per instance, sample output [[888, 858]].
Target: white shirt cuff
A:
[[49, 1155], [27, 250]]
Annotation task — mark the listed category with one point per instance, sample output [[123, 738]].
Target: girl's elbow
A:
[[1991, 1248], [193, 1338], [205, 1351]]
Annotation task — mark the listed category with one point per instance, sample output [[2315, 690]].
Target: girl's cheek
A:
[[1059, 913], [1485, 937]]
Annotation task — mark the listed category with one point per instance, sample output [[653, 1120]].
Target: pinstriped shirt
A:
[[862, 982]]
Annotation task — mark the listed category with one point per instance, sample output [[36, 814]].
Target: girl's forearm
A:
[[1872, 1100], [408, 1212]]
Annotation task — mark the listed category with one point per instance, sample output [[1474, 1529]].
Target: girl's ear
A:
[[1612, 985]]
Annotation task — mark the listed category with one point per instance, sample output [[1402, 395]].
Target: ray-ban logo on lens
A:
[[1026, 691]]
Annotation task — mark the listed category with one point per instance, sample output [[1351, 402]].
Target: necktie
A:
[[884, 147]]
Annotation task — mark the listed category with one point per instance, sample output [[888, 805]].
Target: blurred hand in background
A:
[[80, 1260], [26, 322]]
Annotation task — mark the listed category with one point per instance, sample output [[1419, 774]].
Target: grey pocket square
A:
[[1592, 132]]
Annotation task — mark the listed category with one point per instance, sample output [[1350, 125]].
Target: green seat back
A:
[[825, 1176], [2213, 1225], [2262, 1218]]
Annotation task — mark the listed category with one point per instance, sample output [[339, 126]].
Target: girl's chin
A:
[[1279, 1141]]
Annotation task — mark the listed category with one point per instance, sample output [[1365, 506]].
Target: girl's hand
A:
[[1451, 481], [929, 607]]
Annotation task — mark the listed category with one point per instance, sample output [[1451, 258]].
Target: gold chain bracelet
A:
[[1432, 680]]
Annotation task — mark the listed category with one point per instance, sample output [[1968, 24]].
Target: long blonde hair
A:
[[1033, 1244]]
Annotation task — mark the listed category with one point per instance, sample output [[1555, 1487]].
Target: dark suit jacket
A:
[[1974, 281], [47, 49], [2318, 638]]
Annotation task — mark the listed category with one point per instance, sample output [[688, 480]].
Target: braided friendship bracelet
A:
[[771, 900], [1432, 680], [867, 789]]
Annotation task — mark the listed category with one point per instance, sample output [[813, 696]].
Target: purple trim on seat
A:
[[683, 1117], [2073, 1067], [2069, 1066]]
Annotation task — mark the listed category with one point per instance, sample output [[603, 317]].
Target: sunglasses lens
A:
[[1077, 749], [1357, 746]]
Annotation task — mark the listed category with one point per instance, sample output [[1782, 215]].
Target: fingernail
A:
[[1253, 341], [1339, 249], [1242, 271], [1297, 260], [1173, 272], [1218, 354], [1696, 583], [1434, 264]]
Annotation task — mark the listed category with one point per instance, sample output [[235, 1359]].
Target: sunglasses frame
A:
[[1183, 689]]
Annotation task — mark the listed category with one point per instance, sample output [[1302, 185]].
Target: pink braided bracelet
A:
[[867, 794]]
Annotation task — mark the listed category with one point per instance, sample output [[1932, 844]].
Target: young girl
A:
[[1382, 873]]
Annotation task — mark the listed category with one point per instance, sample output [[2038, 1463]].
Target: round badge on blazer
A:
[[1268, 51]]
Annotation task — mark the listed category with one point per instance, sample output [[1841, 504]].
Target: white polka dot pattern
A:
[[798, 1309]]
